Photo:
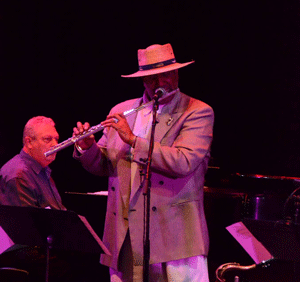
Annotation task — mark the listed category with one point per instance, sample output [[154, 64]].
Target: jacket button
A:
[[161, 182], [154, 208], [113, 188]]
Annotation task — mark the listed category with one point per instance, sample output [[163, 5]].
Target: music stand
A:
[[281, 239], [273, 245], [51, 229]]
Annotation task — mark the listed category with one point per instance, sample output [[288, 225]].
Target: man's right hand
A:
[[87, 142]]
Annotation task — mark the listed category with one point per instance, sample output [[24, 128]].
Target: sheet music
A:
[[251, 245], [98, 193], [5, 241]]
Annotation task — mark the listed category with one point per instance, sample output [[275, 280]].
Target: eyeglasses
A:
[[48, 139], [164, 75]]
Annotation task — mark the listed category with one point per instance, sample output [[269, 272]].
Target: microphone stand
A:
[[146, 193]]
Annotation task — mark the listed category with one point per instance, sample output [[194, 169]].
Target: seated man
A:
[[25, 179]]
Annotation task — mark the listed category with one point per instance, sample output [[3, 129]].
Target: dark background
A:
[[63, 59]]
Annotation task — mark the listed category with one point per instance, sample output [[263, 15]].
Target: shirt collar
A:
[[37, 168]]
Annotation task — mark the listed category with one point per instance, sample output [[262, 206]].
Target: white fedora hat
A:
[[156, 59]]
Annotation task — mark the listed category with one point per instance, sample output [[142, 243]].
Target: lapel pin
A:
[[169, 121]]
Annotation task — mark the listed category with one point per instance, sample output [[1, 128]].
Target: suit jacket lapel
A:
[[170, 114], [130, 119], [168, 117]]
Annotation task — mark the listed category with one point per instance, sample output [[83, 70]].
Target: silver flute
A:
[[94, 129]]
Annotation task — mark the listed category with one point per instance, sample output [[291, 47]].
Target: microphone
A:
[[159, 92]]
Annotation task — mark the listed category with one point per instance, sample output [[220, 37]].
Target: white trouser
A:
[[193, 269]]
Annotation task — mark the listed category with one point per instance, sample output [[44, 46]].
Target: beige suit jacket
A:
[[180, 157]]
